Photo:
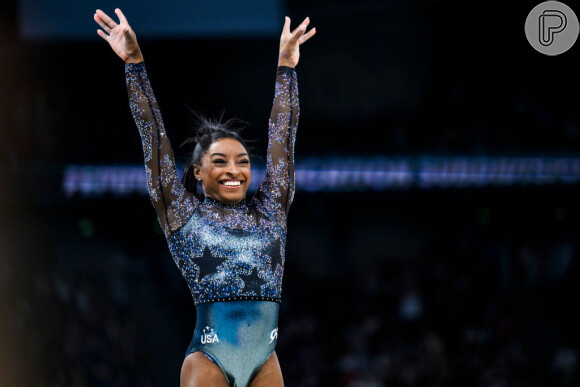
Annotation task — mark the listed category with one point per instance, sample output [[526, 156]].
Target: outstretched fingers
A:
[[286, 29], [307, 36], [105, 19], [103, 35], [299, 36], [108, 24], [122, 17], [102, 24], [303, 25]]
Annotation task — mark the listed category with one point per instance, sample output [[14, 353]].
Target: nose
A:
[[233, 168]]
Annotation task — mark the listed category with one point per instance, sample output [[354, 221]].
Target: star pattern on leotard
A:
[[252, 278], [217, 262], [208, 262]]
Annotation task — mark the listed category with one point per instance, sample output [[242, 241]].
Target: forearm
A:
[[281, 135], [143, 105]]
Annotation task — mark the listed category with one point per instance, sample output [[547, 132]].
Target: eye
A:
[[244, 161], [219, 161]]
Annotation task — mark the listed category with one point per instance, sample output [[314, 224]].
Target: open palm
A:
[[120, 36], [290, 42]]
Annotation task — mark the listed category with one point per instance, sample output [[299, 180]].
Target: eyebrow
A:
[[223, 155]]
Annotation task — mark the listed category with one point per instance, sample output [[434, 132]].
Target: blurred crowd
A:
[[109, 308], [444, 323]]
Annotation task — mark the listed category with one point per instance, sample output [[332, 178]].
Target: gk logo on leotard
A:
[[208, 336], [273, 335]]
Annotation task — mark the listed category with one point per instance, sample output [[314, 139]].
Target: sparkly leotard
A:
[[232, 256]]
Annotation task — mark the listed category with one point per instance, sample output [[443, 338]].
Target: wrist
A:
[[138, 58], [286, 62]]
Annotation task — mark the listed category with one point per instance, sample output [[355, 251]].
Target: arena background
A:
[[470, 279]]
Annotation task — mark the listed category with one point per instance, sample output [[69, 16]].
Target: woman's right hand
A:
[[120, 36]]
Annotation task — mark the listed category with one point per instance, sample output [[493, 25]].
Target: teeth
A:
[[232, 183]]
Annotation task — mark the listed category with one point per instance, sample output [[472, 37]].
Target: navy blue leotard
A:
[[232, 256]]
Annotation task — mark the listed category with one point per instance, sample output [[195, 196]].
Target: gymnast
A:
[[230, 250]]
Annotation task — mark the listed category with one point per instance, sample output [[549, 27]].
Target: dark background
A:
[[410, 287]]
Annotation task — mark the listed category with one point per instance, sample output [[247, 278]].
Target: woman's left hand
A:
[[290, 42]]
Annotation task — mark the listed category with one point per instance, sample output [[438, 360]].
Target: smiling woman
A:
[[230, 252], [225, 171], [220, 162]]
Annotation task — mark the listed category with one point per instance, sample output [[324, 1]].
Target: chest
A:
[[252, 237]]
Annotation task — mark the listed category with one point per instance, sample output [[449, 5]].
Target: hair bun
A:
[[203, 132]]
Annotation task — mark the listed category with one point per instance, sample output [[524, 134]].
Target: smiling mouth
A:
[[231, 183]]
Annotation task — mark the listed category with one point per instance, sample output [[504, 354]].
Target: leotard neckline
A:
[[241, 206]]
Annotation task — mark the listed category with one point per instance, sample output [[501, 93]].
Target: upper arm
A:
[[173, 203]]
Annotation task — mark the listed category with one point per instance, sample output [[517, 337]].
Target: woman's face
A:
[[225, 171]]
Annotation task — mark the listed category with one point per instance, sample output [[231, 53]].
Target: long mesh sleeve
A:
[[276, 192], [174, 205]]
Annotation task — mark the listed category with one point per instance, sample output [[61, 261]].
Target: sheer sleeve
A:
[[276, 192], [174, 205]]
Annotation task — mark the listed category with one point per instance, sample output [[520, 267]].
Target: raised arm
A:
[[174, 205], [277, 190]]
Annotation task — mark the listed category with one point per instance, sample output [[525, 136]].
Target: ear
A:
[[197, 172]]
